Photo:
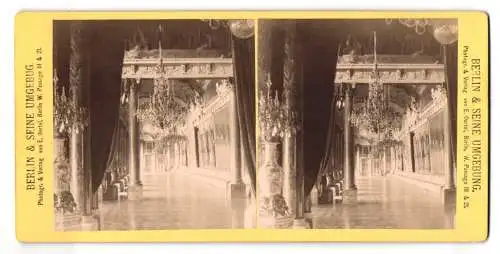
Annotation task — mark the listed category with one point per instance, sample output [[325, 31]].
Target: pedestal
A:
[[314, 196], [449, 197], [237, 190], [449, 201], [307, 204], [349, 196], [238, 206]]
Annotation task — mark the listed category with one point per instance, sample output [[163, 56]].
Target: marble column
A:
[[299, 221], [134, 188], [370, 162], [78, 82], [177, 154], [237, 188], [350, 190], [80, 138], [141, 156], [76, 187], [358, 161], [449, 190], [289, 140], [384, 161], [393, 159]]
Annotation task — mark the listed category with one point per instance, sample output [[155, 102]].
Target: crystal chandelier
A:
[[241, 28], [375, 114], [164, 110], [274, 117], [66, 116]]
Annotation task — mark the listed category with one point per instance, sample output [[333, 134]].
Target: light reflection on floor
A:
[[176, 201], [386, 202]]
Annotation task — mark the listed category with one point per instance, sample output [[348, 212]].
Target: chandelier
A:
[[241, 28], [375, 115], [166, 111], [67, 117], [445, 31]]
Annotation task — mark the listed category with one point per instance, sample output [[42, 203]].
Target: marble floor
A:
[[385, 202], [175, 201]]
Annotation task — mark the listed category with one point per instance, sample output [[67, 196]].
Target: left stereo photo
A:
[[154, 124]]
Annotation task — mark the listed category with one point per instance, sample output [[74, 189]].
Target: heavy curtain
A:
[[106, 41], [451, 62], [320, 59], [105, 53], [329, 152], [113, 159], [244, 80]]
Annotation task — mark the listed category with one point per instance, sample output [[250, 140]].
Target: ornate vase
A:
[[273, 210], [60, 165], [66, 216]]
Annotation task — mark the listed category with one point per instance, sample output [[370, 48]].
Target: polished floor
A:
[[175, 200], [385, 202]]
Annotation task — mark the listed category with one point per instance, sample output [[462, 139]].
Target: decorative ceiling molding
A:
[[399, 70], [180, 68]]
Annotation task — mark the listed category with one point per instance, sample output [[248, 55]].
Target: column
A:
[[177, 154], [212, 145], [141, 156], [393, 159], [133, 138], [358, 160], [76, 168], [208, 156], [349, 193], [77, 79], [80, 138], [449, 190], [299, 221], [289, 140], [370, 162], [237, 187], [384, 160]]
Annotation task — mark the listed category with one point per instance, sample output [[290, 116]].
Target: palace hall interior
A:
[[356, 123], [154, 124]]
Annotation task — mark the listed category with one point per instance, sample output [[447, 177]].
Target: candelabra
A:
[[276, 119], [67, 116]]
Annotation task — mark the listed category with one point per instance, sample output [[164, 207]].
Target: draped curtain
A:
[[320, 59], [106, 60], [244, 75], [113, 160], [329, 152], [451, 61]]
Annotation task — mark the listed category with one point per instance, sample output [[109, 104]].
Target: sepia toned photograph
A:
[[357, 123], [154, 124]]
